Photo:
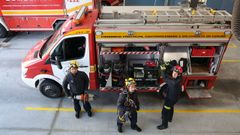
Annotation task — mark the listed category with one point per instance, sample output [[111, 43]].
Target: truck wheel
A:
[[3, 32], [57, 25], [50, 89], [105, 3]]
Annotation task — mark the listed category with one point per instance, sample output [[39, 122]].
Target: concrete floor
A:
[[217, 116]]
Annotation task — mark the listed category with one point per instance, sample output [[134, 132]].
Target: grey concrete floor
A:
[[15, 97]]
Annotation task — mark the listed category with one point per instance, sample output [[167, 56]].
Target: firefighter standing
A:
[[171, 94], [78, 82], [127, 106]]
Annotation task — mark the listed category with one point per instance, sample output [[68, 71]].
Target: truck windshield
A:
[[49, 43]]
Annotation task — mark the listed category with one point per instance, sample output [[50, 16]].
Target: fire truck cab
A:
[[132, 41]]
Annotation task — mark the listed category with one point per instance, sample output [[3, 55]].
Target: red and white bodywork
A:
[[40, 15], [135, 40], [37, 66]]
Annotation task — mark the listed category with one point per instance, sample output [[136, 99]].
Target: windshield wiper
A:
[[44, 46]]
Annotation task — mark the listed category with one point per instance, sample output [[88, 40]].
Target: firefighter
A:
[[78, 83], [127, 106], [171, 93]]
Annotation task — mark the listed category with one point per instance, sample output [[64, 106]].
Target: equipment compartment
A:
[[200, 65], [198, 86], [140, 63], [205, 59], [144, 71], [179, 54]]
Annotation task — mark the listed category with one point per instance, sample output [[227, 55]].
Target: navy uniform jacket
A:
[[174, 87], [78, 83]]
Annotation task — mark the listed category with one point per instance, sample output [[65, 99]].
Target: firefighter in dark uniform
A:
[[128, 105], [78, 83], [171, 93]]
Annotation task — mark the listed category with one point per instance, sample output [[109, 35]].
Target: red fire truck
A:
[[39, 15], [132, 41]]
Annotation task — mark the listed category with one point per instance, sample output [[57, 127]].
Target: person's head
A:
[[73, 67], [177, 71], [130, 84]]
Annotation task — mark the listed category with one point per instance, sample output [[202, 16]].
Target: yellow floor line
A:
[[231, 61], [142, 111], [209, 111], [232, 45]]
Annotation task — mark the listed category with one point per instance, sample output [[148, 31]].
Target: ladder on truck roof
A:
[[139, 15], [146, 24]]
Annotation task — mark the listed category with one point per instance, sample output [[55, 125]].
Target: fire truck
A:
[[39, 15], [133, 41]]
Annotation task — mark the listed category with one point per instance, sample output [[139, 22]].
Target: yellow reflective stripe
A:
[[93, 69], [231, 61], [33, 12], [232, 45], [80, 31], [162, 35], [168, 108], [121, 118], [43, 12]]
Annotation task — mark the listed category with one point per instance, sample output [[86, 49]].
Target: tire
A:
[[3, 32], [104, 3], [58, 25], [236, 19], [51, 89]]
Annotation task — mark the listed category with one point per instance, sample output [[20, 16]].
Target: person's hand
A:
[[138, 108], [164, 94], [127, 109], [182, 88]]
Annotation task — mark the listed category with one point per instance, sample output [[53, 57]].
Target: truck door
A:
[[71, 48]]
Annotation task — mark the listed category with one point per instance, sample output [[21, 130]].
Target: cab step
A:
[[198, 93]]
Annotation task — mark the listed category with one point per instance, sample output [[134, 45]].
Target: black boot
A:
[[136, 127], [77, 115], [120, 129], [161, 127], [89, 113]]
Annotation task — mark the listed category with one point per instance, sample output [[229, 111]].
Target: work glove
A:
[[163, 67], [167, 63]]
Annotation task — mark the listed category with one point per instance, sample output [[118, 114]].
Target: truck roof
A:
[[153, 24], [86, 25]]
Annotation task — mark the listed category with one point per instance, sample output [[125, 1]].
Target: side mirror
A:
[[58, 62]]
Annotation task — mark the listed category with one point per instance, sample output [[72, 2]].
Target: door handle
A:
[[82, 66]]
